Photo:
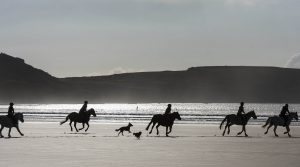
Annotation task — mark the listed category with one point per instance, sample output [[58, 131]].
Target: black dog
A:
[[137, 135], [125, 128]]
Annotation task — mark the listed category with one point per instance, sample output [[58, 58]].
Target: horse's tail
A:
[[223, 121], [117, 130], [62, 122], [267, 122]]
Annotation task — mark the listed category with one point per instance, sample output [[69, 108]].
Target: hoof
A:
[[9, 136], [266, 133], [276, 135], [22, 134], [290, 135], [246, 135]]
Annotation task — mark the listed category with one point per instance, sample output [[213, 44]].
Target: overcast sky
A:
[[97, 37]]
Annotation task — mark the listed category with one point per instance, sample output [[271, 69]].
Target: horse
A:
[[7, 122], [234, 119], [80, 118], [164, 120], [279, 121]]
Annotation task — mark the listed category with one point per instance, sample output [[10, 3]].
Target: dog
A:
[[137, 135], [124, 128]]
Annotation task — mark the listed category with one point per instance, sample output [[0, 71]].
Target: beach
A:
[[191, 145]]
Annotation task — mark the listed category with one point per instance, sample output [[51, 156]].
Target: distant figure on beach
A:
[[241, 111], [83, 108], [168, 110], [284, 113], [124, 128]]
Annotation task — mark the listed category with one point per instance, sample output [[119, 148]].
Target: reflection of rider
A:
[[83, 108], [241, 111], [168, 110], [11, 112], [284, 111]]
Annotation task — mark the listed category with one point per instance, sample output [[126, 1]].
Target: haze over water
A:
[[191, 113]]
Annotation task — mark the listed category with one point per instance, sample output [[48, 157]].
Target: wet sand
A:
[[49, 144]]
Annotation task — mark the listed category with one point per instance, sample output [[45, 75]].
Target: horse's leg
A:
[[287, 130], [157, 132], [119, 133], [9, 130], [275, 127], [170, 130], [225, 128], [75, 126], [240, 131], [268, 128], [229, 128], [82, 126], [244, 128], [19, 131], [1, 131], [152, 127], [88, 125], [71, 125], [167, 131]]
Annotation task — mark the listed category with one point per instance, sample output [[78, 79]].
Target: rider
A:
[[241, 111], [11, 112], [168, 110], [283, 113], [83, 108]]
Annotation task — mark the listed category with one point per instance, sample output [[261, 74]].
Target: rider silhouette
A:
[[241, 111], [168, 110], [83, 108], [284, 111], [11, 112]]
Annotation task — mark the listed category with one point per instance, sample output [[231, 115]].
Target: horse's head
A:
[[252, 114], [294, 115], [129, 124], [92, 112], [176, 115], [19, 116]]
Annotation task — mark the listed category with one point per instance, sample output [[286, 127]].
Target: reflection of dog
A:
[[124, 128], [137, 135]]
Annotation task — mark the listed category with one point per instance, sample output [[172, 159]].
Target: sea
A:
[[191, 113]]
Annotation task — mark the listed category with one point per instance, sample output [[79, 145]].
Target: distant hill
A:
[[23, 83]]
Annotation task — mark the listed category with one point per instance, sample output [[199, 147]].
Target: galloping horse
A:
[[78, 118], [278, 121], [234, 119], [8, 123], [163, 120]]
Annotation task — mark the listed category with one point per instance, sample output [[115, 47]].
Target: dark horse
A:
[[234, 119], [164, 120], [278, 121], [77, 118], [7, 122]]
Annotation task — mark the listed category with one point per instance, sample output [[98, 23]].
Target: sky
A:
[[101, 37]]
